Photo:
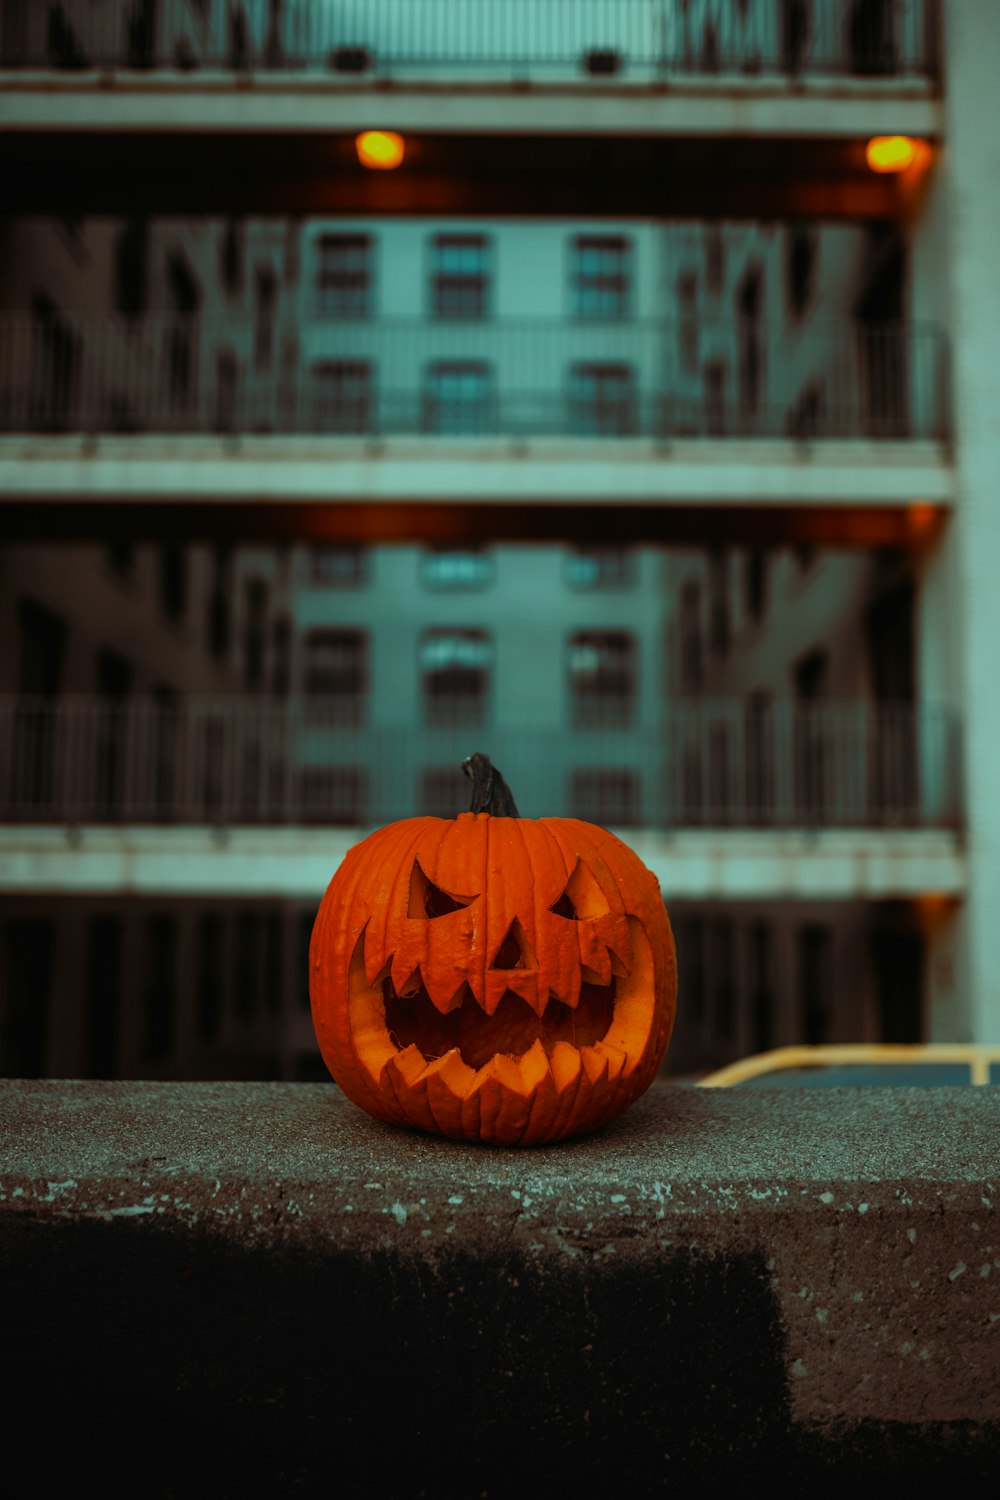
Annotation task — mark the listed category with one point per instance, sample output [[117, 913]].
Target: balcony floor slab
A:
[[297, 863]]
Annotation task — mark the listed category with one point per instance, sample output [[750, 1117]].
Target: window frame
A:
[[359, 307], [600, 281], [439, 280]]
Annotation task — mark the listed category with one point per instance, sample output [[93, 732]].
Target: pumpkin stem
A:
[[490, 793]]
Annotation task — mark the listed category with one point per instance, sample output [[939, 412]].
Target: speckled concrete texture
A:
[[736, 1280]]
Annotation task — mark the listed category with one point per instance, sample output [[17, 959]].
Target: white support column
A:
[[957, 264]]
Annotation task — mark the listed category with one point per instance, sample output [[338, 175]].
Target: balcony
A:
[[571, 79], [714, 764], [634, 41], [516, 413]]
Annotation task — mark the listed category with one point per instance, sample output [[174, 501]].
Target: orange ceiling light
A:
[[896, 153], [381, 150]]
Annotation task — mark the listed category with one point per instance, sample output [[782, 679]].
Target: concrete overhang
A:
[[860, 493], [256, 145], [297, 863]]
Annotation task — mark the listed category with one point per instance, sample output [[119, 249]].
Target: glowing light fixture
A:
[[895, 153], [380, 149]]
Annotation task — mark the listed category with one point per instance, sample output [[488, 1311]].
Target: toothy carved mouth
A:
[[513, 1029]]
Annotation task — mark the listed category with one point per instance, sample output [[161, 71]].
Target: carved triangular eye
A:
[[515, 952], [583, 898], [428, 900]]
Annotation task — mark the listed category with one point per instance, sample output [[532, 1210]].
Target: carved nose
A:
[[515, 952]]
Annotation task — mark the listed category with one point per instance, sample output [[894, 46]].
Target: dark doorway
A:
[[29, 960], [104, 954], [899, 957]]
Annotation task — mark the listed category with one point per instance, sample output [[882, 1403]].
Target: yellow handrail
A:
[[977, 1056]]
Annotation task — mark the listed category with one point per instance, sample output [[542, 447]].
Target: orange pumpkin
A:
[[491, 977]]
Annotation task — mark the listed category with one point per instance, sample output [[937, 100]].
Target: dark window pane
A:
[[601, 276], [602, 677]]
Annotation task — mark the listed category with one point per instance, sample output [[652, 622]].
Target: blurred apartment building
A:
[[776, 722]]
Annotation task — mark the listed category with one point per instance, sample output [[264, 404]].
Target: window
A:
[[42, 648], [451, 568], [114, 682], [687, 322], [602, 677], [760, 759], [724, 973], [336, 567], [266, 304], [281, 657], [274, 961], [811, 738], [444, 791], [218, 606], [159, 988], [691, 662], [460, 276], [344, 276], [751, 351], [342, 396], [173, 580], [121, 556], [336, 669], [459, 398], [247, 976], [227, 386], [210, 976], [715, 259], [602, 400], [302, 945], [455, 668], [714, 378], [719, 626], [231, 258], [606, 796], [761, 986], [755, 583], [182, 347], [64, 48], [601, 276], [334, 794], [54, 371], [815, 983], [801, 247], [24, 1017], [254, 634], [601, 568], [104, 985], [131, 253]]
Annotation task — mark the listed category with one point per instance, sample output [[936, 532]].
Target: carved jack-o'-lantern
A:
[[491, 977]]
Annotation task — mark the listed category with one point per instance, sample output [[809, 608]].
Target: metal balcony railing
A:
[[472, 378], [724, 764], [638, 41]]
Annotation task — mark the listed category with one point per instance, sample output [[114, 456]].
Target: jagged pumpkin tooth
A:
[[595, 1065], [409, 1064], [534, 1067], [411, 1097], [447, 1080], [616, 1056], [450, 1070]]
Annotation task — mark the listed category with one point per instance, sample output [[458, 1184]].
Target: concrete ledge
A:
[[248, 1289], [691, 864], [852, 474], [840, 108]]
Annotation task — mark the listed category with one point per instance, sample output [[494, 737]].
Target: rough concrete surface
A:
[[721, 1283]]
